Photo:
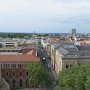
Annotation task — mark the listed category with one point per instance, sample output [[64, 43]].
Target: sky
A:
[[45, 16]]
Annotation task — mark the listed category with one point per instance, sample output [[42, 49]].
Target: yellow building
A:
[[67, 54]]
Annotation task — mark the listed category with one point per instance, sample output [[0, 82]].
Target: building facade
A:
[[67, 54], [73, 32], [13, 69], [13, 64]]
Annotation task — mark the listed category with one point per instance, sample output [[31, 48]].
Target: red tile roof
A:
[[30, 52], [17, 57]]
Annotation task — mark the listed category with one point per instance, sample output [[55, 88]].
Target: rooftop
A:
[[10, 48], [31, 46], [69, 49], [17, 57]]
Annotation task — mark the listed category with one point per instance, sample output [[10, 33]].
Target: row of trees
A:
[[37, 75], [75, 78], [15, 35], [22, 35]]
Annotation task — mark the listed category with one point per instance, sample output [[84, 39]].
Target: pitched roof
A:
[[19, 57]]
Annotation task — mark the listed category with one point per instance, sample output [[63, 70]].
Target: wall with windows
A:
[[15, 74], [69, 62], [53, 56], [58, 62], [10, 44]]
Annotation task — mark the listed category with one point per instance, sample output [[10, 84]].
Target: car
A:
[[43, 59], [49, 66]]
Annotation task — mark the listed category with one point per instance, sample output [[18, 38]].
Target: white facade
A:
[[7, 43], [44, 43]]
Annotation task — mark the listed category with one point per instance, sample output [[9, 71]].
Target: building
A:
[[67, 54], [10, 50], [4, 85], [13, 69], [73, 32], [28, 48], [13, 63]]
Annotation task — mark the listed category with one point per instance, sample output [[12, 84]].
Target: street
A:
[[47, 65]]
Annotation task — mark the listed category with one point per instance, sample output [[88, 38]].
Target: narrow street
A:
[[47, 64]]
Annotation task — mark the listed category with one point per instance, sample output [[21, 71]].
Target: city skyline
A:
[[44, 16]]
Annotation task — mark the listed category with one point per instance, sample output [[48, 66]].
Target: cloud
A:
[[69, 7], [44, 13], [70, 12]]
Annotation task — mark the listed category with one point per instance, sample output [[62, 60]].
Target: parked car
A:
[[49, 66], [43, 59]]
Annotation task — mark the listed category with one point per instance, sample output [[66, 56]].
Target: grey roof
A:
[[69, 46], [63, 51], [70, 49], [84, 47]]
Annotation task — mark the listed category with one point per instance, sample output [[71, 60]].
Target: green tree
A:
[[75, 78], [38, 76]]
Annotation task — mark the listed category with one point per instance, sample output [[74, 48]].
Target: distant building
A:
[[9, 43], [73, 32]]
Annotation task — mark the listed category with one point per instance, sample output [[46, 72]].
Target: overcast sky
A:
[[45, 16]]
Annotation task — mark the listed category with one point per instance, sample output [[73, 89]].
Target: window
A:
[[13, 73], [71, 65], [67, 66], [4, 65], [6, 73], [13, 65], [20, 73], [20, 65], [1, 65], [20, 82], [13, 81], [27, 83], [27, 73], [8, 65], [79, 64], [8, 50]]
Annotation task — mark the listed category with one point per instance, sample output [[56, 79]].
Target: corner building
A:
[[13, 69]]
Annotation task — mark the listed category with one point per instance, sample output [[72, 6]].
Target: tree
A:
[[38, 76], [75, 78]]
